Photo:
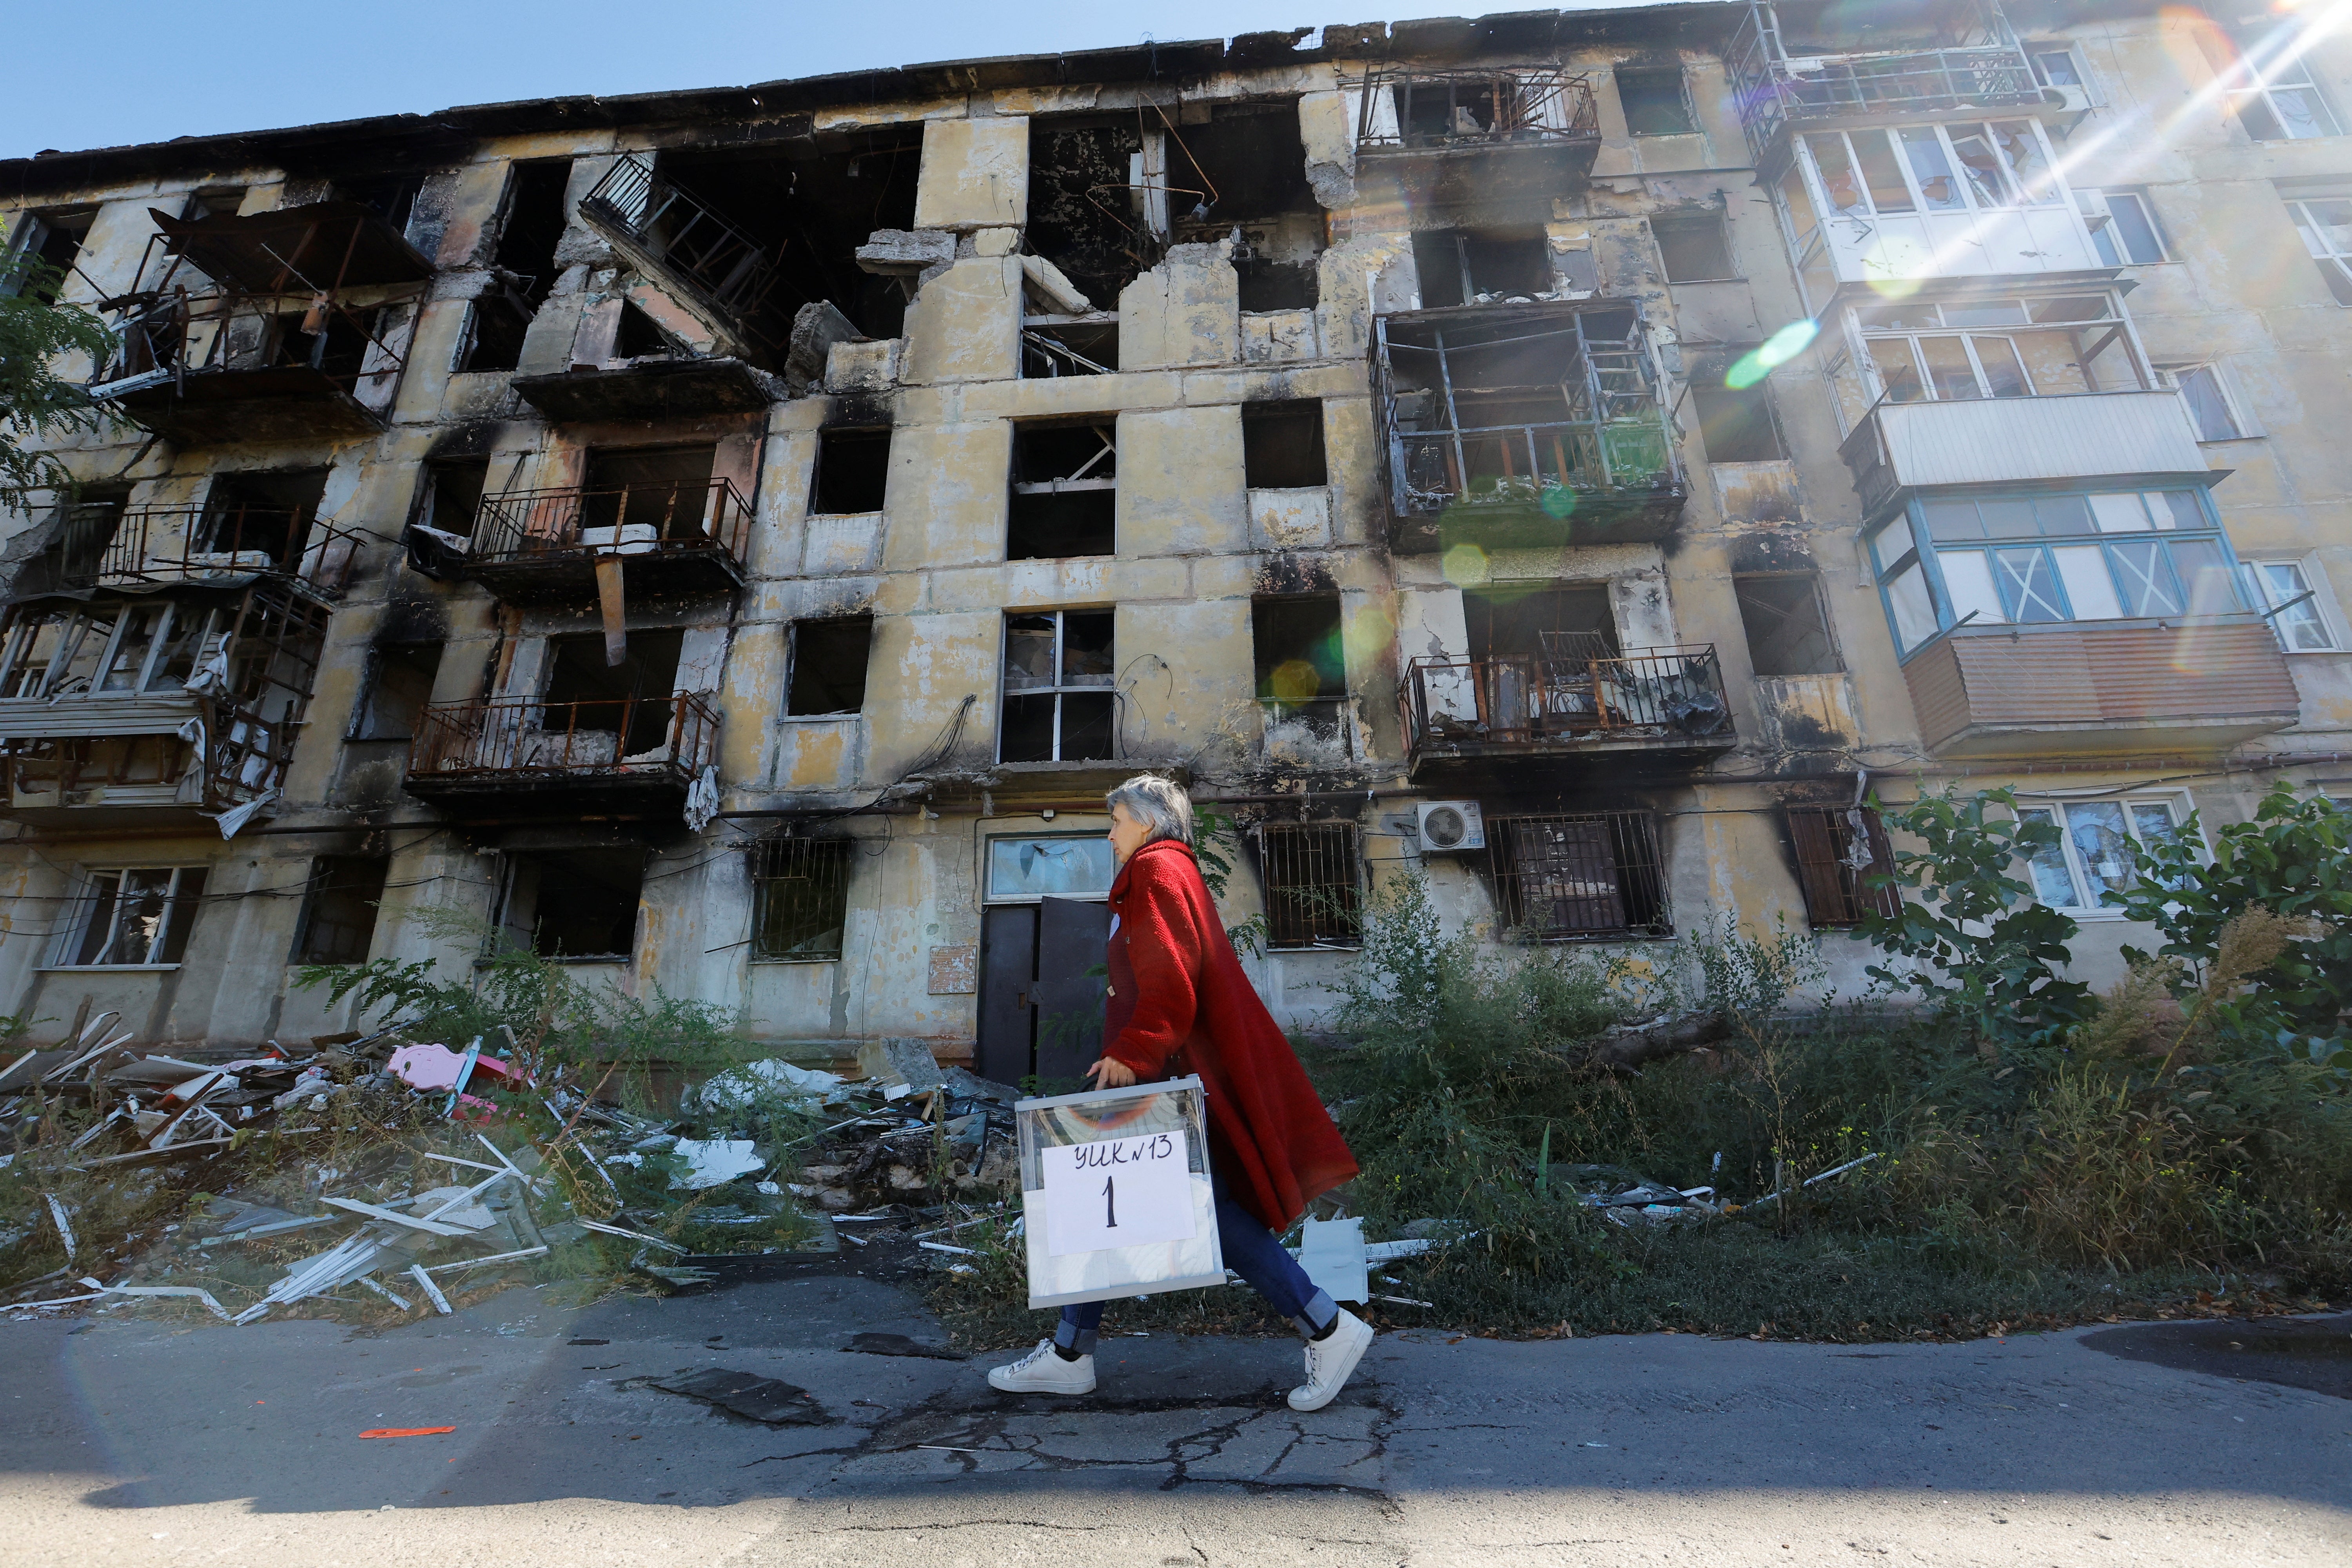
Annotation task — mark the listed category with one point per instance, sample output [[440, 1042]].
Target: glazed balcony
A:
[[668, 538], [1664, 701], [1475, 137], [2143, 438], [519, 757]]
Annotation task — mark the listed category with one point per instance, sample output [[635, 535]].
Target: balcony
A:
[[1661, 702], [173, 710], [519, 757], [281, 326], [1529, 425], [718, 270], [207, 546], [668, 538], [1928, 60], [652, 389], [2097, 688], [2138, 437], [1475, 138]]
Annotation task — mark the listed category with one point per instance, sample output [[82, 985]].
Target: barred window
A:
[[136, 916], [1839, 850], [799, 899], [1311, 898], [1583, 874]]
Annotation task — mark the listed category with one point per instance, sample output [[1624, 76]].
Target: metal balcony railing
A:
[[1404, 111], [524, 738], [667, 518], [1538, 701], [150, 545], [1506, 465], [1972, 60], [678, 233]]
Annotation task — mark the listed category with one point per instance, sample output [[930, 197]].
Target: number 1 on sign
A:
[[1110, 1205]]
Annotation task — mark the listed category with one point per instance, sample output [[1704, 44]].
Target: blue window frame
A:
[[2045, 559]]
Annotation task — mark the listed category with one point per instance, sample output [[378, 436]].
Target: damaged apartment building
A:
[[728, 541]]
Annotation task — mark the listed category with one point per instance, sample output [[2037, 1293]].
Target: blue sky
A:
[[118, 71]]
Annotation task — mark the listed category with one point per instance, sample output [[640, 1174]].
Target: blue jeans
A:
[[1251, 1252]]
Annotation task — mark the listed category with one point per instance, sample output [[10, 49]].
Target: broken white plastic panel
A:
[[715, 1162], [1098, 1167], [1332, 1253]]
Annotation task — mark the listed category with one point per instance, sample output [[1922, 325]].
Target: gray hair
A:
[[1160, 805]]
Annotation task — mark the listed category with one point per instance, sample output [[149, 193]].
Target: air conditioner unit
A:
[[1450, 824], [2092, 205], [2073, 98]]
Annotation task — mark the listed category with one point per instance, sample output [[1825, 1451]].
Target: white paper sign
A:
[[1118, 1192]]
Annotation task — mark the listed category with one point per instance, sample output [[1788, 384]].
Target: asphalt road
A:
[[131, 1443]]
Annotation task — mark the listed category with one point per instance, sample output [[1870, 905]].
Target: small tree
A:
[[1981, 946], [36, 403]]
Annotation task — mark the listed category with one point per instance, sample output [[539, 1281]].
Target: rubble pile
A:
[[388, 1172]]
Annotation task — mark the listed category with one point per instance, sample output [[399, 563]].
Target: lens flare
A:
[[1466, 565], [1777, 350], [1558, 501]]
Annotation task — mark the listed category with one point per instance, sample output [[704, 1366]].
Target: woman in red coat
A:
[[1179, 1004]]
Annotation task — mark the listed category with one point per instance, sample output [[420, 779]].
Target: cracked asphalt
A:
[[130, 1443]]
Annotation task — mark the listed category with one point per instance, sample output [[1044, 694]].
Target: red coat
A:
[[1180, 1003]]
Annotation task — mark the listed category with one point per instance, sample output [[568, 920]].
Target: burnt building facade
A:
[[729, 540]]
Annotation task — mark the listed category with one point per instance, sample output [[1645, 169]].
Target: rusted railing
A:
[[685, 239], [1517, 464], [201, 544], [670, 518], [1983, 67], [1532, 700], [676, 737], [1442, 110]]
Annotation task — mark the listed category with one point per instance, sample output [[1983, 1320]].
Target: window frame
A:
[[1650, 892], [1293, 923], [2054, 808], [762, 859], [2057, 190], [1920, 548], [2261, 81], [1681, 73], [1844, 907], [1058, 688], [2178, 376], [2327, 614], [167, 949], [2138, 195], [1863, 336], [2035, 49], [2334, 261]]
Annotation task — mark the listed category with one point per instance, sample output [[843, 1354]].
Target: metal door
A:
[[1073, 942], [1008, 983]]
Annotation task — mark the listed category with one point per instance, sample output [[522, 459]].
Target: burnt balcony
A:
[[1564, 702], [1794, 65], [175, 709], [2135, 437], [1523, 425], [2195, 686], [671, 233], [281, 326], [212, 546], [1318, 733], [652, 389], [1479, 138], [517, 757], [668, 538]]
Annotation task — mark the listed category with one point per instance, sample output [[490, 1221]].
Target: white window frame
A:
[[2325, 617], [2069, 851], [2291, 73], [2138, 198], [2035, 48], [1864, 338], [2334, 258], [2179, 376], [2056, 192], [92, 897]]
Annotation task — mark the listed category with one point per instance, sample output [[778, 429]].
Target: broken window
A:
[[453, 494], [1960, 351], [574, 903], [1302, 673], [2129, 238], [639, 336], [1462, 267], [215, 201], [532, 228], [853, 471], [1312, 894], [1282, 444], [1052, 346], [1656, 102], [400, 688], [1839, 851], [2210, 407], [829, 659], [131, 917], [43, 250], [1059, 705], [265, 513], [496, 324], [339, 915], [2326, 225], [1511, 619], [332, 342], [1787, 624], [1693, 247], [631, 699], [2278, 100], [393, 196], [1585, 874], [645, 492], [1097, 209], [1736, 422], [1064, 491], [799, 899]]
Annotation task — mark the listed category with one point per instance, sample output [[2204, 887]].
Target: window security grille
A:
[[1839, 850], [800, 898], [1586, 874], [1311, 887]]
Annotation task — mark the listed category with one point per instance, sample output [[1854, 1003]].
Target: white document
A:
[[1118, 1192]]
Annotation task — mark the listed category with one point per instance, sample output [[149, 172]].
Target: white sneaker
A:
[[1042, 1371], [1330, 1360]]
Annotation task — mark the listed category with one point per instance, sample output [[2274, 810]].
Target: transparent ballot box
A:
[[1115, 1194]]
